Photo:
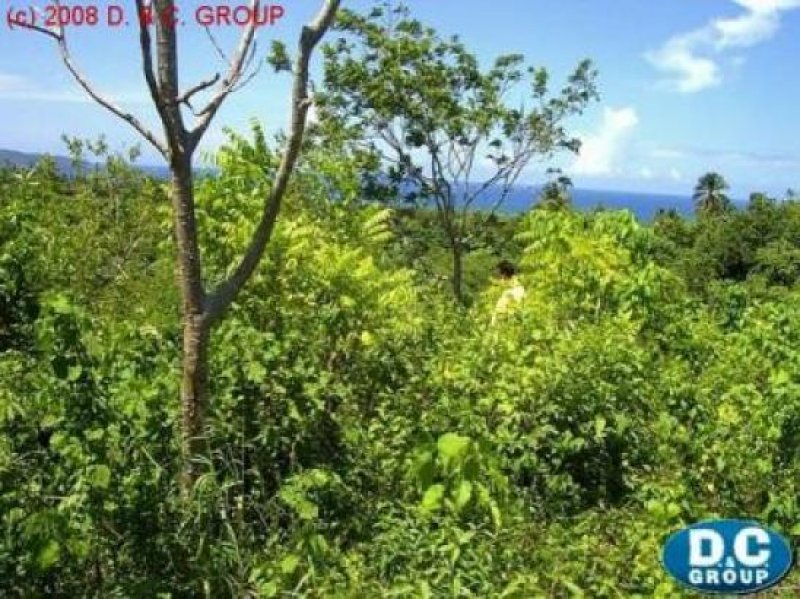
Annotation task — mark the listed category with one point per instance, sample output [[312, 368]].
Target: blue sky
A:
[[687, 85]]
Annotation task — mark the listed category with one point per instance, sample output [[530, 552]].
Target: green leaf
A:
[[256, 372], [432, 500], [294, 495], [599, 427], [305, 509], [574, 589], [497, 517], [463, 495], [452, 446], [74, 373], [278, 57], [59, 304], [269, 589], [289, 564], [48, 555], [367, 339], [95, 434], [100, 476]]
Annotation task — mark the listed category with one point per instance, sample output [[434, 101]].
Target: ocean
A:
[[643, 205]]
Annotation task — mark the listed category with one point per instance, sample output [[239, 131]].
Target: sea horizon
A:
[[644, 205]]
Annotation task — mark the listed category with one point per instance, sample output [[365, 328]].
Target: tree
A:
[[438, 120], [709, 195], [202, 308], [556, 194]]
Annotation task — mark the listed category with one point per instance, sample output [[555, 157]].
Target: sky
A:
[[687, 86]]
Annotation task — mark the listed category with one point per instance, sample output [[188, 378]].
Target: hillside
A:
[[328, 367]]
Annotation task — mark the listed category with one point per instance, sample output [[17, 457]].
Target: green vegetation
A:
[[709, 194], [435, 118], [368, 435]]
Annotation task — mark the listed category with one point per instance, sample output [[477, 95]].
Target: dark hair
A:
[[506, 269]]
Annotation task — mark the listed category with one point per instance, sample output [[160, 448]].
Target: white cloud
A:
[[600, 152], [688, 59], [678, 57], [675, 174]]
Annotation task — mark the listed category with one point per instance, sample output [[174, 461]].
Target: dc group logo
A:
[[727, 556]]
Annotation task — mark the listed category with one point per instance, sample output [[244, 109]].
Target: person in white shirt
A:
[[514, 292]]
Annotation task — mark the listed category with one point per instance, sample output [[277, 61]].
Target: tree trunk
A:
[[458, 271], [193, 394], [196, 328]]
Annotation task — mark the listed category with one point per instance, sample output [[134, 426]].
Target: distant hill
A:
[[521, 197], [27, 160], [64, 164]]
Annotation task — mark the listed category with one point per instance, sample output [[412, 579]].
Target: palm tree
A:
[[556, 194], [709, 195]]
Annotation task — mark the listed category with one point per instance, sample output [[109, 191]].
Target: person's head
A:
[[506, 269]]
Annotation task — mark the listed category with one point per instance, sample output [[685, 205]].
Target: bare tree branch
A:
[[55, 34], [222, 297], [145, 43], [186, 96], [217, 47], [89, 88], [252, 75], [229, 82]]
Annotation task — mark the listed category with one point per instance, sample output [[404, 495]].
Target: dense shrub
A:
[[366, 437]]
